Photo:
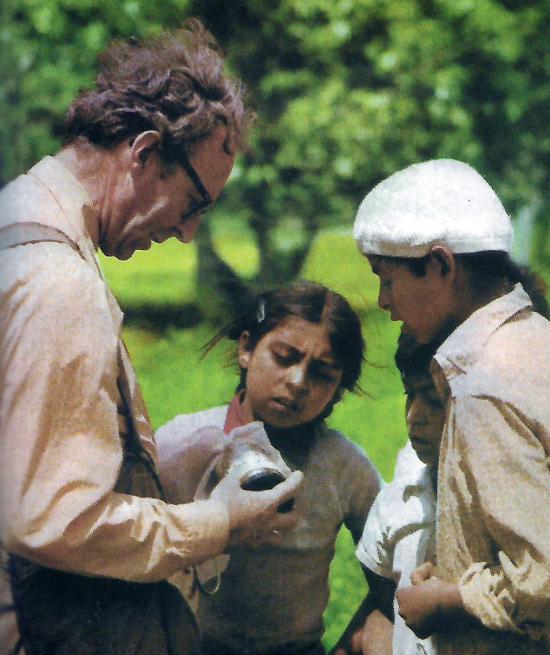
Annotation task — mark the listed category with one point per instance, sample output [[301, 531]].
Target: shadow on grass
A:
[[159, 318]]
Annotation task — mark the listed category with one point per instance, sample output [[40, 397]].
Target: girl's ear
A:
[[244, 352]]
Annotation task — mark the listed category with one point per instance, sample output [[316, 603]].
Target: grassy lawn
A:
[[175, 379]]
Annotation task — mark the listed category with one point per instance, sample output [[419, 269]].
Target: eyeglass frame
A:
[[207, 200]]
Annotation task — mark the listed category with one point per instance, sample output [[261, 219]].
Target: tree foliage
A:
[[346, 92]]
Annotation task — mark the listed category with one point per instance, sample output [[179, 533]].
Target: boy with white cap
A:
[[439, 239]]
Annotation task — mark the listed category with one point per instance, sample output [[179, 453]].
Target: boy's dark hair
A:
[[312, 302], [174, 84], [486, 269], [413, 358]]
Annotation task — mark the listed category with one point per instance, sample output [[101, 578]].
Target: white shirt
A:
[[399, 536]]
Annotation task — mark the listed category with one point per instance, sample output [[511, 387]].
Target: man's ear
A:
[[444, 260], [244, 352], [143, 145]]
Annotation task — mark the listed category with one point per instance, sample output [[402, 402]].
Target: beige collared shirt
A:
[[60, 448], [493, 519]]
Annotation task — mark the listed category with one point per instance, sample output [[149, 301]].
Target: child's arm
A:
[[370, 630], [430, 603]]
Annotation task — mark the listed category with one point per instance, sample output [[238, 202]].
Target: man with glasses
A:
[[91, 541]]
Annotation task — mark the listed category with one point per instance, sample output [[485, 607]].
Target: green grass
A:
[[162, 275]]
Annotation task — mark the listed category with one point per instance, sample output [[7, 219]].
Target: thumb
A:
[[289, 488]]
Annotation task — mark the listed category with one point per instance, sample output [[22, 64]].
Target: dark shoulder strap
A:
[[20, 234]]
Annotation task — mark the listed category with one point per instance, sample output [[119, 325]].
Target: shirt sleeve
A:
[[185, 456], [507, 474], [375, 549], [60, 450]]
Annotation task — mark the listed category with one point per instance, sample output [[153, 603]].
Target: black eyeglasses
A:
[[206, 199]]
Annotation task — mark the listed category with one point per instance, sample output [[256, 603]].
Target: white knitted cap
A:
[[438, 202]]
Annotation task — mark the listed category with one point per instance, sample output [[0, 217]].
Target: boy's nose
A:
[[415, 415], [383, 299]]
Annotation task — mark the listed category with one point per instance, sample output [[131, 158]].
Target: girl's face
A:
[[292, 374]]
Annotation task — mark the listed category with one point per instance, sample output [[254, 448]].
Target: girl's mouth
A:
[[288, 405]]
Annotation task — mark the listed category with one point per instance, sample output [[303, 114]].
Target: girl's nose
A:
[[297, 377]]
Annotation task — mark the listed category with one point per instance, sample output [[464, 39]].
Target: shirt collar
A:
[[71, 197], [463, 347], [235, 417], [417, 481]]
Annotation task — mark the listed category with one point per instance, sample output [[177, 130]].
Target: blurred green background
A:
[[346, 92]]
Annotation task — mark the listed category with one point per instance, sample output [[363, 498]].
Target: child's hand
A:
[[423, 573], [428, 605], [355, 645]]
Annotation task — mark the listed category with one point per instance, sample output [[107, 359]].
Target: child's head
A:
[[439, 239], [300, 347], [425, 411]]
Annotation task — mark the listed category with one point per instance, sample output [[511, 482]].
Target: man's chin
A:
[[125, 250]]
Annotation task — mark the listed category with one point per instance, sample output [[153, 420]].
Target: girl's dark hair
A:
[[174, 84], [312, 302]]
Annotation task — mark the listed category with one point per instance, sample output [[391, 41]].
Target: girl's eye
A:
[[322, 375], [283, 358]]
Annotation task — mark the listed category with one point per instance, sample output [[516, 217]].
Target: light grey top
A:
[[273, 595]]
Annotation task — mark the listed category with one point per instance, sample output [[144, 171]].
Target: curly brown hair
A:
[[174, 84]]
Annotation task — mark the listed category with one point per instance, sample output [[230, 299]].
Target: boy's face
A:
[[425, 416], [422, 303]]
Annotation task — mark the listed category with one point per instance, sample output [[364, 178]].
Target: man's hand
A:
[[253, 515], [430, 603]]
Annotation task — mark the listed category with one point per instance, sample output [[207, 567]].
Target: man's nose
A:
[[189, 228]]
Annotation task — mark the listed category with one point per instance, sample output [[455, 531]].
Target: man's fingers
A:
[[274, 537], [289, 488]]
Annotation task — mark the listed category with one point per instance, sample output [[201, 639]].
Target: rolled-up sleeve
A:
[[60, 448], [505, 472]]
